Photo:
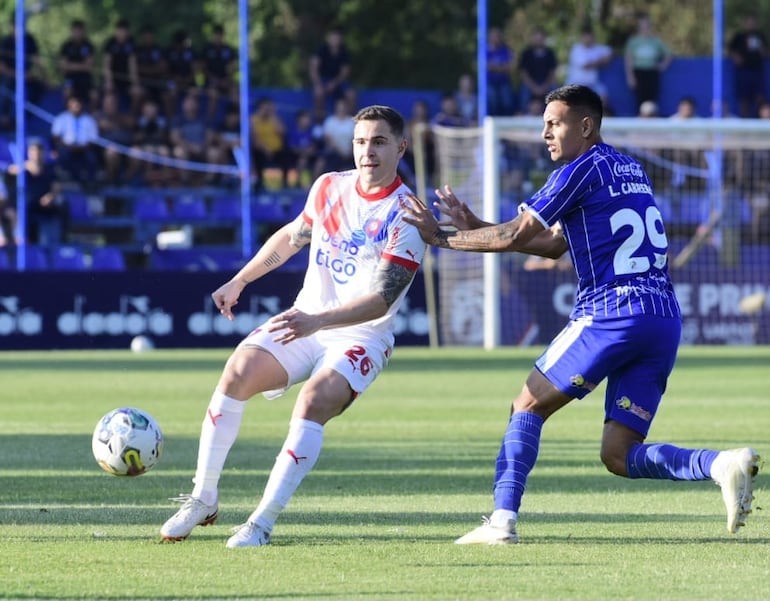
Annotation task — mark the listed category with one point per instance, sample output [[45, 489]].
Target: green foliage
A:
[[400, 43], [406, 470]]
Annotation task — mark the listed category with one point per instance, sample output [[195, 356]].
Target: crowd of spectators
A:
[[137, 98]]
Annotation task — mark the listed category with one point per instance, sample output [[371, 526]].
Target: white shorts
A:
[[358, 359]]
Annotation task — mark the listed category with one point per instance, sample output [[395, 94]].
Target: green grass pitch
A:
[[405, 471]]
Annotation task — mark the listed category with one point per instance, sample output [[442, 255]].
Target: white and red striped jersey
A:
[[352, 233]]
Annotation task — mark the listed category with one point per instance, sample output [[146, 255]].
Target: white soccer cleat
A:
[[491, 533], [737, 485], [248, 535], [193, 512]]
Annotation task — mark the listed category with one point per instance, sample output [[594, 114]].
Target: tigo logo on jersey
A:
[[339, 259]]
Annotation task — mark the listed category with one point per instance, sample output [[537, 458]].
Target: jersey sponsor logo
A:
[[338, 254], [628, 405], [338, 257], [579, 381], [629, 169]]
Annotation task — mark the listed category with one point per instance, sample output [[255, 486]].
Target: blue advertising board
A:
[[84, 310]]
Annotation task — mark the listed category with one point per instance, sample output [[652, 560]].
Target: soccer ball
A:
[[127, 442], [141, 344]]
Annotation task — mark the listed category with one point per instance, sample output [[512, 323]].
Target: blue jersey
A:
[[604, 202]]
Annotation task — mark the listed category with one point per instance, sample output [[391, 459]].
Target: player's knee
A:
[[614, 461], [236, 377], [322, 399]]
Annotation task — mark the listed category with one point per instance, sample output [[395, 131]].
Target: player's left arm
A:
[[391, 277], [389, 281]]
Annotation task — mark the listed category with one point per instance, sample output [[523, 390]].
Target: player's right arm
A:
[[281, 246], [523, 235]]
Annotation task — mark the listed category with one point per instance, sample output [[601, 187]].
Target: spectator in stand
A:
[[338, 128], [500, 65], [219, 61], [151, 67], [35, 81], [180, 65], [151, 135], [268, 141], [74, 133], [319, 115], [192, 139], [330, 70], [115, 125], [7, 217], [119, 67], [467, 99], [303, 146], [756, 173], [748, 50], [648, 109], [420, 118], [449, 114], [228, 132], [76, 61], [46, 214], [586, 60], [646, 57], [537, 69], [686, 108]]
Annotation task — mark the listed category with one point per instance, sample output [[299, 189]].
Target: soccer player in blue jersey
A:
[[625, 325]]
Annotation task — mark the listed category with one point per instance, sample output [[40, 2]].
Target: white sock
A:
[[298, 455], [501, 517], [719, 465], [218, 433]]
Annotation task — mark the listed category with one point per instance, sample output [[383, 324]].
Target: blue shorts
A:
[[635, 354]]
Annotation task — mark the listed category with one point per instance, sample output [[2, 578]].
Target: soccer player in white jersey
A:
[[625, 325], [337, 336]]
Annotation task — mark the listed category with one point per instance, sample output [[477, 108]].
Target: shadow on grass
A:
[[59, 469], [351, 526]]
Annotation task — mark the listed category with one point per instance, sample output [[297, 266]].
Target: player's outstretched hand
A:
[[226, 296], [421, 217], [457, 212]]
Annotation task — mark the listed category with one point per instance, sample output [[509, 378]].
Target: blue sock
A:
[[517, 457], [667, 462]]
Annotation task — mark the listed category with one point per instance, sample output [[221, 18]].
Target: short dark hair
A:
[[578, 96], [385, 113]]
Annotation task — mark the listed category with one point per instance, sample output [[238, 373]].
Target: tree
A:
[[394, 44]]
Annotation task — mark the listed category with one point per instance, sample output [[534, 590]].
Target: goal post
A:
[[712, 183]]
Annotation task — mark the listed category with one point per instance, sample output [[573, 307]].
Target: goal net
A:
[[712, 185]]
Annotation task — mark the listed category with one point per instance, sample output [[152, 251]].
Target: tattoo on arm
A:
[[273, 260], [493, 238], [390, 280], [301, 235]]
